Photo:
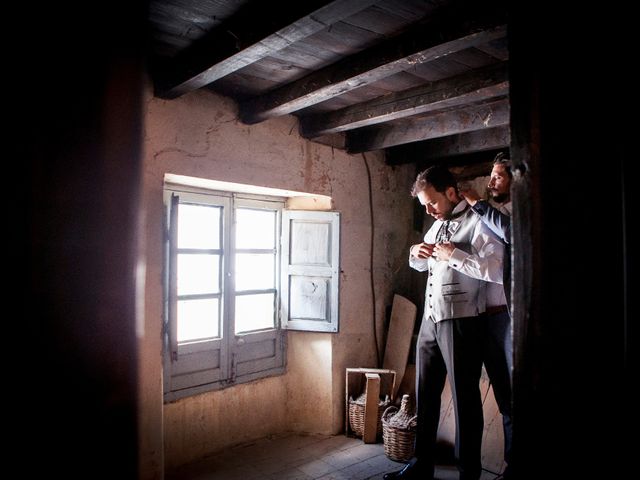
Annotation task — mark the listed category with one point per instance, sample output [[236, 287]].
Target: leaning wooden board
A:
[[396, 354]]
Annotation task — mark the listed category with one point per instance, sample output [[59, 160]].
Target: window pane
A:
[[197, 319], [198, 273], [254, 312], [198, 226], [255, 228], [255, 271]]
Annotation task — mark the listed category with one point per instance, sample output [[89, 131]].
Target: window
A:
[[241, 269]]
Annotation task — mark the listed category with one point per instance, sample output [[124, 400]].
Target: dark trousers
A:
[[498, 360], [452, 347]]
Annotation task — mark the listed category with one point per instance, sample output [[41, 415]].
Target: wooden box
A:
[[356, 382]]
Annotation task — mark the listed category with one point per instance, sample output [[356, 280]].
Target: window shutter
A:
[[169, 330], [310, 270], [172, 236]]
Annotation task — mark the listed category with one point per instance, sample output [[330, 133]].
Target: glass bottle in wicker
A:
[[399, 431]]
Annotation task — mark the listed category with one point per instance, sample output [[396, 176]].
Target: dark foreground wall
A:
[[571, 110], [71, 217]]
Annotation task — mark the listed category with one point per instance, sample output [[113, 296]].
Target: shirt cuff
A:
[[457, 258], [420, 264]]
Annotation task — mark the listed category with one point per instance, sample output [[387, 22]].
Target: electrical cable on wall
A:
[[373, 290]]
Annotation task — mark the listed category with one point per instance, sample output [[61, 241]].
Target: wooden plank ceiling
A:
[[421, 79]]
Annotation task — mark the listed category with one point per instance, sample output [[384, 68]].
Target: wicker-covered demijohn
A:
[[399, 431], [356, 414]]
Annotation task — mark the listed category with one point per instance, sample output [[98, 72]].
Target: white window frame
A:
[[237, 358]]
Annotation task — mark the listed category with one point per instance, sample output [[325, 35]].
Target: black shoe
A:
[[469, 477], [411, 471], [506, 475]]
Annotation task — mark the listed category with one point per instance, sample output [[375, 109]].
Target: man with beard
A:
[[498, 347]]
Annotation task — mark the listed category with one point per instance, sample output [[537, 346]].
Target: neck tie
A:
[[443, 233]]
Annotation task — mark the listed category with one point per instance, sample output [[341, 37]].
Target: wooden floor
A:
[[302, 457]]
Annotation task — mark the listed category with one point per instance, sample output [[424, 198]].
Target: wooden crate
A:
[[356, 382]]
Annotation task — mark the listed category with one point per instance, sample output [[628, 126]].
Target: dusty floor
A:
[[301, 457]]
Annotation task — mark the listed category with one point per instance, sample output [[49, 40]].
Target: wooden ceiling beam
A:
[[471, 118], [249, 37], [422, 44], [472, 87], [452, 146], [336, 140]]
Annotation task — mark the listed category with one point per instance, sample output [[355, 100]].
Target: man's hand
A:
[[442, 251], [470, 195], [422, 250]]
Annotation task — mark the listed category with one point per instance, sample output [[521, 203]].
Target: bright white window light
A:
[[197, 319], [198, 274], [198, 226], [255, 229], [254, 312]]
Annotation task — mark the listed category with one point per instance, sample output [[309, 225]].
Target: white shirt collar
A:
[[459, 208]]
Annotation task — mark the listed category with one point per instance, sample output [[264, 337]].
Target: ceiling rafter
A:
[[420, 45], [223, 52], [471, 87], [435, 125], [451, 146]]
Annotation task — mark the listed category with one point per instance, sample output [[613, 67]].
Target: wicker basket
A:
[[399, 431], [356, 414]]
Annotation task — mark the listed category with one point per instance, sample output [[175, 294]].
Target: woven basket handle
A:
[[413, 422], [388, 411]]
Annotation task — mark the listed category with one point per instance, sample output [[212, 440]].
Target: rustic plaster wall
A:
[[199, 135]]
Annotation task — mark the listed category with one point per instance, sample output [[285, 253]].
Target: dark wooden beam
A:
[[469, 172], [336, 140], [420, 45], [451, 146], [472, 87], [476, 117], [249, 37], [496, 48]]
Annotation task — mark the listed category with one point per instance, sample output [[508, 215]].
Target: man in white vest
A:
[[453, 324]]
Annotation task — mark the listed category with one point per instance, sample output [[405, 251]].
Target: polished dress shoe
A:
[[474, 476], [410, 471], [506, 475]]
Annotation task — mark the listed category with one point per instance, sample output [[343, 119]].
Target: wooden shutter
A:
[[310, 270]]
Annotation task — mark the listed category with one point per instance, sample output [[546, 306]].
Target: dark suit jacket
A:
[[500, 224]]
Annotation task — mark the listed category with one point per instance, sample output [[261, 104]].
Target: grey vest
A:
[[451, 294]]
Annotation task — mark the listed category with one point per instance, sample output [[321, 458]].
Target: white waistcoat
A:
[[451, 294]]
